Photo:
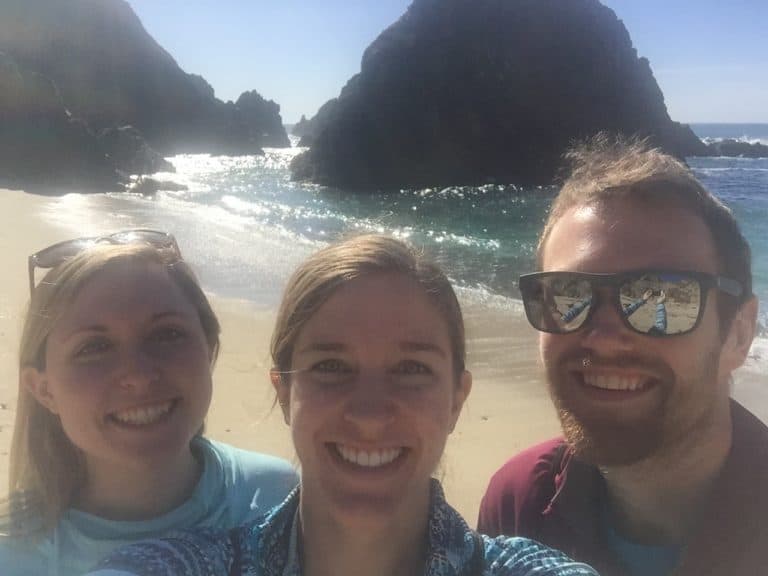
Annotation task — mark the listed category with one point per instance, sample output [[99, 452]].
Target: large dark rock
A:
[[474, 91], [261, 120], [313, 126], [736, 148], [43, 148], [301, 127], [111, 72], [130, 153]]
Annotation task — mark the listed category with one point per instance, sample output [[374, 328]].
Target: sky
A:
[[710, 57]]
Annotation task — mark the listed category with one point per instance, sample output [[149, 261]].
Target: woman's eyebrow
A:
[[96, 327], [418, 346], [323, 347]]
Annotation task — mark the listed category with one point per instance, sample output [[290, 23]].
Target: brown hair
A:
[[315, 280], [605, 169], [45, 467]]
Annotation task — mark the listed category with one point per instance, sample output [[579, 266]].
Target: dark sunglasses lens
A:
[[56, 254], [557, 302], [661, 304]]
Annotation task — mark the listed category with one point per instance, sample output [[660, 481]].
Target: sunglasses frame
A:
[[164, 240], [616, 280]]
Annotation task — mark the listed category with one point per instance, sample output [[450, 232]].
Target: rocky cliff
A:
[[42, 147], [110, 72], [475, 91]]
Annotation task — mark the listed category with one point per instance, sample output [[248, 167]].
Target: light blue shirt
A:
[[236, 486]]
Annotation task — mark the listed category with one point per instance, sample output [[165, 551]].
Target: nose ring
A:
[[586, 362]]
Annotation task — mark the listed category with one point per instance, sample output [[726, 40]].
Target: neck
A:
[[656, 501], [395, 547], [133, 493]]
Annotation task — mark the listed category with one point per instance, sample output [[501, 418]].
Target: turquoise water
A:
[[246, 225]]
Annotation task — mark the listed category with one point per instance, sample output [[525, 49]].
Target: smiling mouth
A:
[[615, 382], [145, 415], [368, 458]]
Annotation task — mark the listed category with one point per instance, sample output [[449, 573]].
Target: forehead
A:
[[377, 308], [628, 234], [126, 289]]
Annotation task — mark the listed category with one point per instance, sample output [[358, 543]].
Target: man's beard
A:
[[615, 439]]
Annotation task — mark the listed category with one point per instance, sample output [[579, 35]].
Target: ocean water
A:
[[245, 225], [745, 132]]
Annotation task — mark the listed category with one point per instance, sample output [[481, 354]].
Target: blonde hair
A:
[[316, 279], [46, 469]]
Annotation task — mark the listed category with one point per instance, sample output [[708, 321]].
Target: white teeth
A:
[[368, 459], [612, 382], [143, 416]]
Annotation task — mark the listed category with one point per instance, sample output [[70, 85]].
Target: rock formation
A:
[[42, 147], [474, 91], [110, 72], [737, 148]]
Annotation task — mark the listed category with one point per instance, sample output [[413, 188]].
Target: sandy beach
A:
[[508, 409]]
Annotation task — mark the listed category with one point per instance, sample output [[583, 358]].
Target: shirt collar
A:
[[579, 488]]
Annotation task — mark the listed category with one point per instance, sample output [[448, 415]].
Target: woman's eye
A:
[[92, 348], [167, 334], [330, 366], [413, 368]]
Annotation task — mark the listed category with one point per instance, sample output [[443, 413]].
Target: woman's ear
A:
[[460, 394], [36, 382], [283, 392]]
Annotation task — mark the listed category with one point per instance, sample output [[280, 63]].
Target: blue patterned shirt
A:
[[267, 547]]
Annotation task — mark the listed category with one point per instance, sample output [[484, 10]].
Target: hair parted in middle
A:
[[317, 278]]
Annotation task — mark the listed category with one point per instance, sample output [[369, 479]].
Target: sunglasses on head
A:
[[652, 302], [62, 251]]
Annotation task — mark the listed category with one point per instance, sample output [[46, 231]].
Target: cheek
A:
[[432, 413], [550, 348], [310, 411], [77, 390]]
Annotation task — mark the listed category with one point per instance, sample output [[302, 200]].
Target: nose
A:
[[371, 407], [139, 370], [605, 333]]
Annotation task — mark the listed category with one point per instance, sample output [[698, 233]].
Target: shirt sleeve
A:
[[199, 553], [661, 318], [523, 557]]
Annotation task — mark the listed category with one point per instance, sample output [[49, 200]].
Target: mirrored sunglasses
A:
[[651, 302], [56, 254]]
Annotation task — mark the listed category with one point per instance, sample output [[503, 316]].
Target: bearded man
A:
[[645, 307]]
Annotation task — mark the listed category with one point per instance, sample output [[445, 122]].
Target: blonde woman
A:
[[369, 372], [117, 352]]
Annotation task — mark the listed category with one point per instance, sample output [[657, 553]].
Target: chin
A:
[[610, 443]]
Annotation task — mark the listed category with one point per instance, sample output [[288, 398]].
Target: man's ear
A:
[[36, 382], [740, 336], [283, 392], [460, 394]]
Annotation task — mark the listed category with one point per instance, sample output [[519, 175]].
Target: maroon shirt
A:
[[546, 494]]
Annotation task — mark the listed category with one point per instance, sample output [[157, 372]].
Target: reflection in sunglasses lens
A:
[[661, 304]]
